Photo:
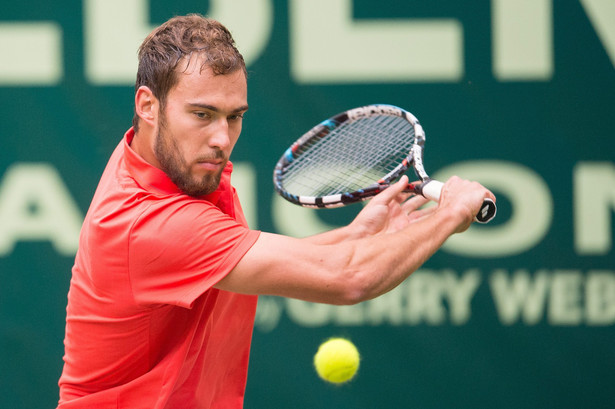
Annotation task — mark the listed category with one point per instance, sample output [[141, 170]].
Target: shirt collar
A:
[[154, 179]]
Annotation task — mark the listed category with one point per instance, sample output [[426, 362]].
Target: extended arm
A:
[[371, 256]]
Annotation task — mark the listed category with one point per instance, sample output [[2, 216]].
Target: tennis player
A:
[[165, 282]]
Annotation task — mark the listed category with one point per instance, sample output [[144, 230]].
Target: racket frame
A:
[[413, 159]]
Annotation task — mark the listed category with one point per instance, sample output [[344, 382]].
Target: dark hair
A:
[[177, 39]]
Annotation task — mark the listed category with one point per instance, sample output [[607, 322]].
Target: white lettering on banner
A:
[[531, 216], [428, 297], [530, 219], [521, 298], [112, 33], [114, 29], [601, 13], [522, 32], [600, 298], [594, 203], [31, 54], [436, 298], [565, 306], [36, 205], [522, 39], [399, 50], [566, 297], [427, 288]]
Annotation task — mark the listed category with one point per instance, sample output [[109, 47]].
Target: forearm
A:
[[382, 263], [363, 260], [345, 272], [334, 236]]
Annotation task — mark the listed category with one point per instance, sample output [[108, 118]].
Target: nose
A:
[[220, 137]]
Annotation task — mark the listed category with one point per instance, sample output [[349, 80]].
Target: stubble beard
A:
[[176, 168]]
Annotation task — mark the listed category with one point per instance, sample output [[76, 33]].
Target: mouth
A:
[[209, 165]]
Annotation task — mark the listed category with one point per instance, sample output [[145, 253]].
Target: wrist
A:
[[455, 219]]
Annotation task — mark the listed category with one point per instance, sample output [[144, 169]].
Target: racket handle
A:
[[433, 188]]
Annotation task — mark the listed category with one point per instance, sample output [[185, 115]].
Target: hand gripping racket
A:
[[356, 155]]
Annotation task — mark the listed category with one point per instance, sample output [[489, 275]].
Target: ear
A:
[[146, 105]]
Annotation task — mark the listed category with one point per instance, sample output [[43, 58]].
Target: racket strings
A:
[[352, 156]]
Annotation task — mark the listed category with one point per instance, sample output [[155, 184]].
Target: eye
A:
[[202, 114], [235, 117]]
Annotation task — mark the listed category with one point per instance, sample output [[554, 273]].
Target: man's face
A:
[[199, 127]]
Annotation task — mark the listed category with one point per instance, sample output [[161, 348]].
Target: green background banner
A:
[[519, 95]]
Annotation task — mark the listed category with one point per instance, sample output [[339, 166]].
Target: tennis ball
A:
[[337, 360]]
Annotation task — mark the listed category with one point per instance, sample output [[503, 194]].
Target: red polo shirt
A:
[[145, 328]]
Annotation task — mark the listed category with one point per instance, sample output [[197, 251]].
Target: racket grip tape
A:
[[433, 188]]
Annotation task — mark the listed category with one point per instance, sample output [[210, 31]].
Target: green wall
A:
[[519, 95]]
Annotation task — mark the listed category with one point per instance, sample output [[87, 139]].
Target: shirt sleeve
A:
[[178, 252]]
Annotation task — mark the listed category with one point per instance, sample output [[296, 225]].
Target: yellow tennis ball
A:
[[337, 360]]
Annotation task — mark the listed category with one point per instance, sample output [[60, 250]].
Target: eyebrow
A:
[[242, 108]]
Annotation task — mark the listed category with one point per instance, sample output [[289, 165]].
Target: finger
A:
[[491, 196], [392, 192], [414, 203]]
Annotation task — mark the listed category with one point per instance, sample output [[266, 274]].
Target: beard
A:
[[176, 168]]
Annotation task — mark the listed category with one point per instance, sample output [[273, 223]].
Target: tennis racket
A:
[[355, 155]]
